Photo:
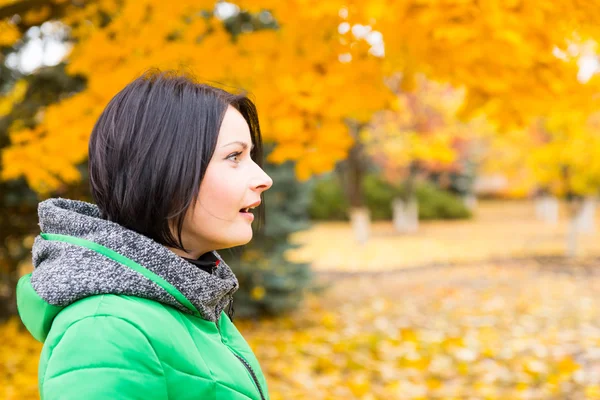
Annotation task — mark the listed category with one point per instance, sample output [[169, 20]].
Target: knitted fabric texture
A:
[[65, 273]]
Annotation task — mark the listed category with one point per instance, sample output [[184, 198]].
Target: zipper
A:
[[160, 281], [244, 363], [249, 368]]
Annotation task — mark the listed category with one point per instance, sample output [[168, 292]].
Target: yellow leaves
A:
[[423, 127], [41, 179], [408, 335], [317, 161], [374, 10], [257, 293], [360, 385], [34, 156], [36, 16], [567, 366], [592, 392], [418, 335], [455, 33], [15, 95], [287, 128], [9, 33], [315, 148], [559, 153], [288, 152], [433, 149], [303, 170], [19, 354], [251, 256], [499, 51], [339, 346], [534, 367], [491, 48], [329, 320]]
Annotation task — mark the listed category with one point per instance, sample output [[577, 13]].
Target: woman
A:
[[129, 296]]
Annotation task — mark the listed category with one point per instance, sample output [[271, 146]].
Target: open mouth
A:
[[248, 210]]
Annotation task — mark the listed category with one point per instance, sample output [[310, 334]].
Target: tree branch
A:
[[22, 6]]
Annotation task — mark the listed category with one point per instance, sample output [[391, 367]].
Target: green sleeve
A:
[[103, 357]]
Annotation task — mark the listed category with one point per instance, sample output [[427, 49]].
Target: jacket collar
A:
[[65, 272]]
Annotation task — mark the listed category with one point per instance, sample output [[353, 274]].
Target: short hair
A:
[[150, 147]]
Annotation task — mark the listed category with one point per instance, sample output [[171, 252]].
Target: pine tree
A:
[[269, 283]]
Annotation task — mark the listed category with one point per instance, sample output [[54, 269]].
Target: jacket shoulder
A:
[[116, 341], [98, 356], [129, 308], [150, 317]]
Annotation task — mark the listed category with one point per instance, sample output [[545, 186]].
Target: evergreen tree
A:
[[269, 283], [18, 202]]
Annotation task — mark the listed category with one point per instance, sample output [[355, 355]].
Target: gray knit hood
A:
[[66, 272]]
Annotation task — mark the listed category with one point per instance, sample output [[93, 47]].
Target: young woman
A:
[[129, 295]]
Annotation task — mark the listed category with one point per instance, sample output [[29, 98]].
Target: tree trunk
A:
[[574, 208], [582, 221], [360, 221], [470, 201], [353, 183], [355, 174], [586, 218], [406, 215], [546, 209], [572, 239], [406, 208], [8, 300]]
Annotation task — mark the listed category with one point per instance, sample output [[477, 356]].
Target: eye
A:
[[234, 156]]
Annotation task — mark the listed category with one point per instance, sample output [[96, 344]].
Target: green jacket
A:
[[122, 317]]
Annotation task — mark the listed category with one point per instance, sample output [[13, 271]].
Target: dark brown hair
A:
[[149, 150]]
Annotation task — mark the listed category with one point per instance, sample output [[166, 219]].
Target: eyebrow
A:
[[243, 144]]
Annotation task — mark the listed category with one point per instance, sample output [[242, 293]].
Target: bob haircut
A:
[[150, 147]]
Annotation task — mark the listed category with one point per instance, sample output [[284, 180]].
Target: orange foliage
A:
[[318, 69]]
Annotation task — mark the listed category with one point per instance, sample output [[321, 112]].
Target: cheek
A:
[[220, 195]]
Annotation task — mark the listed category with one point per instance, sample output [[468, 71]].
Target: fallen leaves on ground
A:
[[500, 229], [19, 354], [487, 332], [518, 331]]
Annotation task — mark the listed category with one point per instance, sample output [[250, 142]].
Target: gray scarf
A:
[[65, 272]]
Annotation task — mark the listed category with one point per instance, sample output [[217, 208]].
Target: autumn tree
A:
[[558, 155], [502, 53], [422, 135], [18, 202], [317, 70]]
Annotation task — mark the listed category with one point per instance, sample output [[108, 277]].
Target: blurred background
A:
[[432, 230]]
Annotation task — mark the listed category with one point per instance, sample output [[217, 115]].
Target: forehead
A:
[[234, 127]]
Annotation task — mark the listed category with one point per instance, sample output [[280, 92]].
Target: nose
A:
[[261, 181]]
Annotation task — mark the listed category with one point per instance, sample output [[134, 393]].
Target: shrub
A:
[[329, 202], [439, 204]]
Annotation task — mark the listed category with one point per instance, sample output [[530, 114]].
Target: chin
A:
[[246, 241], [235, 236], [242, 240]]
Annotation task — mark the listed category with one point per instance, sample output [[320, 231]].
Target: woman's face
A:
[[233, 182]]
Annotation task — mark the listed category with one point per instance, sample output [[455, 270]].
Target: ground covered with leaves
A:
[[515, 331], [524, 327], [499, 230]]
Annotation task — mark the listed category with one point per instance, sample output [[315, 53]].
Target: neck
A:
[[194, 254]]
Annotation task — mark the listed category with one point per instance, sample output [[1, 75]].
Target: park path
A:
[[499, 231]]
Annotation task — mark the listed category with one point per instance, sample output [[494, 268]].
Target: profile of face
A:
[[233, 182]]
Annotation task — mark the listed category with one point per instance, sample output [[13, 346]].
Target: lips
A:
[[248, 208]]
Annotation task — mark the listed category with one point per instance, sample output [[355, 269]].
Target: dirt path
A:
[[500, 231]]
